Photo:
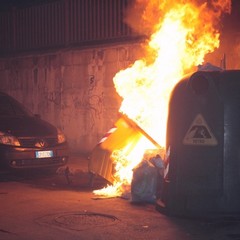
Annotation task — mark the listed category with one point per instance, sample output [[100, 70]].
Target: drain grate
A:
[[79, 221]]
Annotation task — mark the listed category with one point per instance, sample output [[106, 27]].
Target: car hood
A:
[[27, 126]]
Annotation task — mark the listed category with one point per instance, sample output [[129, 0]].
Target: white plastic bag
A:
[[144, 183]]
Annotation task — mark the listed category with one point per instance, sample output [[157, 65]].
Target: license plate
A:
[[44, 154]]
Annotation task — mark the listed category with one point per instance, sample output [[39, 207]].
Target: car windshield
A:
[[10, 107]]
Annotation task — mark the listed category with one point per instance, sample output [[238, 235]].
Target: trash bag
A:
[[158, 163], [144, 183], [160, 166]]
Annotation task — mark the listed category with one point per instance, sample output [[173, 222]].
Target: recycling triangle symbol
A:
[[199, 133]]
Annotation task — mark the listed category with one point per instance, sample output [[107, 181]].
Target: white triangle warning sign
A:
[[199, 133]]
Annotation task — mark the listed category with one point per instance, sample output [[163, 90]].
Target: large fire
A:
[[182, 32]]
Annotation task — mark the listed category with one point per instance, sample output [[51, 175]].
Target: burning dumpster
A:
[[126, 141], [203, 137]]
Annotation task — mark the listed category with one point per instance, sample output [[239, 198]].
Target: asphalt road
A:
[[37, 206]]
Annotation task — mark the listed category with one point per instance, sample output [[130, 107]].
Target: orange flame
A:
[[182, 33]]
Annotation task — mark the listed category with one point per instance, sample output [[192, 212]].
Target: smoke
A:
[[221, 6], [229, 39]]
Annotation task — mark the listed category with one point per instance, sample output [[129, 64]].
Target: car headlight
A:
[[61, 136], [8, 139]]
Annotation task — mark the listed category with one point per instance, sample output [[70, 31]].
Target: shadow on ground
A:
[[61, 179]]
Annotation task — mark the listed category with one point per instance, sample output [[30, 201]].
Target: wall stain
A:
[[54, 97]]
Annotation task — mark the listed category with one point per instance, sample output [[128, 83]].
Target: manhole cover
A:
[[79, 220]]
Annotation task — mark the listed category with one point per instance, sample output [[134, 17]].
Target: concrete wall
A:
[[72, 89]]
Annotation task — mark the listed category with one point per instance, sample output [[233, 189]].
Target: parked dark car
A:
[[26, 140]]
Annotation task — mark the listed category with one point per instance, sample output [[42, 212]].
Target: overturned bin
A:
[[125, 136], [203, 146]]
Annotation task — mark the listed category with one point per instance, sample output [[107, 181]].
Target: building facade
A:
[[59, 58]]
